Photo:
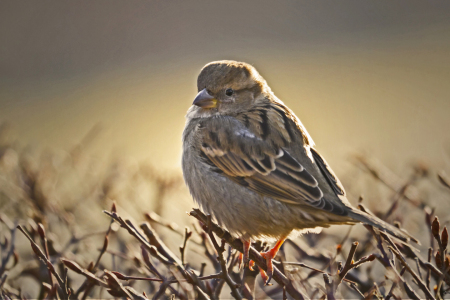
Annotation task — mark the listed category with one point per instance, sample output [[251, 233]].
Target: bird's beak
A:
[[205, 100]]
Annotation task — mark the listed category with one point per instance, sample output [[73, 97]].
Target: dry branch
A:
[[279, 277]]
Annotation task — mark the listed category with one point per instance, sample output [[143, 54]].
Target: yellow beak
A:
[[205, 100]]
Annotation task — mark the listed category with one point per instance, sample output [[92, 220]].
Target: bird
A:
[[249, 162]]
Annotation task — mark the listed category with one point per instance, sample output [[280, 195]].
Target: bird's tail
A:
[[369, 219]]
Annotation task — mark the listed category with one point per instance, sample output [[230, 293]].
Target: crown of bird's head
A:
[[227, 86]]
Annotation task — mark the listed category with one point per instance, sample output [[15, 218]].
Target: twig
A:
[[388, 264], [349, 265], [10, 253], [389, 179], [428, 219], [436, 271], [41, 231], [402, 260], [329, 286], [37, 250], [442, 240], [87, 286], [409, 291], [220, 250], [187, 235], [156, 248], [248, 292], [391, 291], [355, 288], [153, 270], [3, 279], [418, 267], [309, 252], [162, 289], [118, 290], [308, 267], [419, 280], [212, 258], [444, 181], [155, 241], [400, 194], [428, 279], [88, 274], [153, 217], [374, 291], [254, 255]]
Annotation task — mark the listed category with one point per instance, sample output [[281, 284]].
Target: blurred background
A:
[[361, 75], [93, 96], [114, 79]]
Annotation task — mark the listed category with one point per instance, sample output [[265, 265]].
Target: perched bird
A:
[[250, 163]]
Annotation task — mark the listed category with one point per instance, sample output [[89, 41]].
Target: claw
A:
[[264, 277], [245, 256], [269, 255], [269, 273], [240, 260], [251, 264]]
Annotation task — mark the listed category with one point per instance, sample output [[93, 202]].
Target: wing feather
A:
[[249, 159], [332, 179], [259, 165]]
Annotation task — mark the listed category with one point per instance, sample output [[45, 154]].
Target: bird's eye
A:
[[229, 92]]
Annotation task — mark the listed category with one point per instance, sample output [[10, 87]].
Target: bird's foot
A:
[[267, 275], [269, 255], [244, 257], [240, 259], [264, 277], [251, 264]]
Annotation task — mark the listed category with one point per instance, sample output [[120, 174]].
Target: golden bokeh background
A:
[[364, 77], [361, 75], [93, 96]]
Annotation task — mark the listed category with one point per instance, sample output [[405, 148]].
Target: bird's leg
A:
[[269, 255], [244, 257], [264, 277], [251, 264]]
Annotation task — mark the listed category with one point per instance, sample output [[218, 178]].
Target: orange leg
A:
[[264, 277], [251, 264], [269, 255], [245, 257]]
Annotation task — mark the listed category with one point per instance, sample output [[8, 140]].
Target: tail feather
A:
[[367, 218]]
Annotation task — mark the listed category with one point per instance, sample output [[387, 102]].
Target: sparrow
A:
[[250, 163]]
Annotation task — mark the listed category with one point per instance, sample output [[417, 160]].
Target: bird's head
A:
[[227, 87]]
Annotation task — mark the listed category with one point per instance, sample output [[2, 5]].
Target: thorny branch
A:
[[279, 277], [89, 284], [11, 252], [442, 261], [66, 291], [171, 275], [223, 264], [187, 235], [393, 248], [156, 248], [152, 244]]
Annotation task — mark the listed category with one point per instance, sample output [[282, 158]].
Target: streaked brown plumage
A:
[[249, 161]]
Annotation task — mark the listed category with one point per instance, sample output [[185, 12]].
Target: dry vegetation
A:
[[57, 243]]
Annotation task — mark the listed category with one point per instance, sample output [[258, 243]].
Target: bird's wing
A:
[[258, 164], [328, 173]]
